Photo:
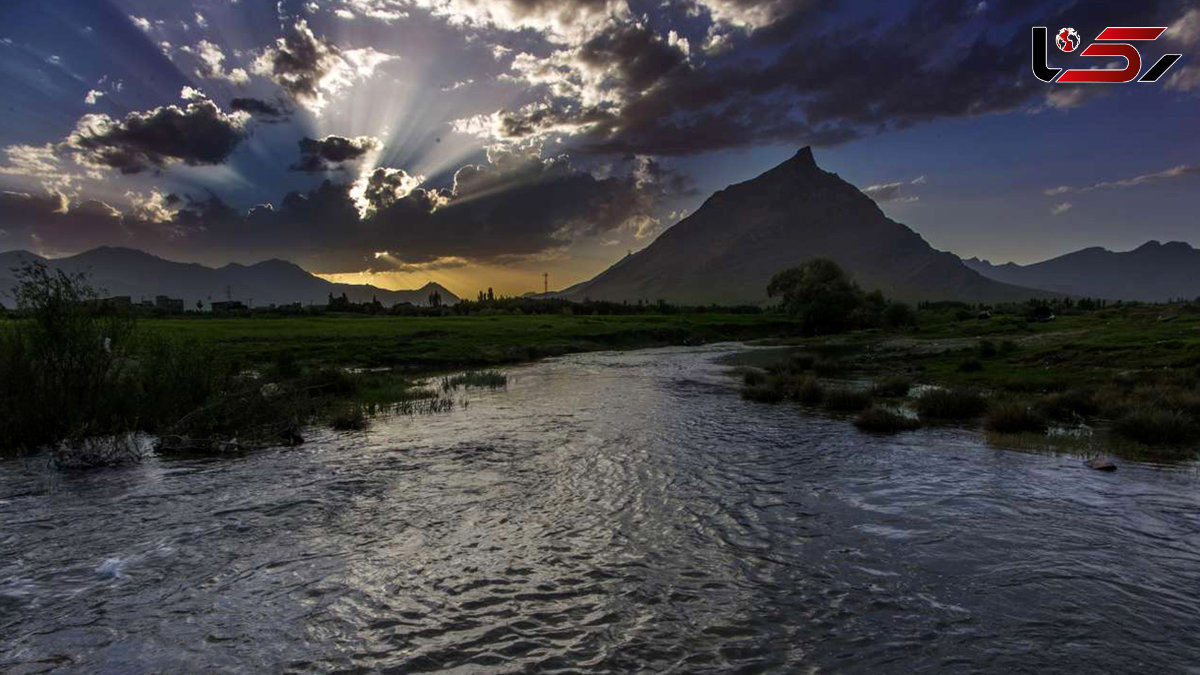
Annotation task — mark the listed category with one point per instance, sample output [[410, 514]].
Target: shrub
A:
[[1008, 347], [754, 377], [1068, 405], [350, 418], [987, 349], [881, 420], [1155, 426], [899, 315], [970, 366], [892, 387], [61, 367], [950, 404], [807, 390], [846, 400], [765, 392], [1014, 418]]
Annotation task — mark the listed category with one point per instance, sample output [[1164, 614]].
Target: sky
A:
[[484, 143]]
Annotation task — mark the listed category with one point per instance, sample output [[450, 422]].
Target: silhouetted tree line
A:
[[488, 303]]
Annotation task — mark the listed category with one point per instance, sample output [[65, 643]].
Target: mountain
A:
[[727, 251], [1152, 272], [125, 271]]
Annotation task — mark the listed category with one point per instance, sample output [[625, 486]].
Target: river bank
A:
[[210, 385], [1121, 380]]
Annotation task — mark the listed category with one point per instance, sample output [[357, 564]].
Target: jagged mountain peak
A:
[[729, 248]]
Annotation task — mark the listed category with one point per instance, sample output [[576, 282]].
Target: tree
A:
[[820, 293]]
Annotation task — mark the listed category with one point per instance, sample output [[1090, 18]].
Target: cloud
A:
[[93, 97], [560, 21], [331, 152], [198, 134], [1061, 208], [1186, 78], [786, 72], [211, 64], [51, 223], [259, 109], [515, 206], [1134, 181], [1186, 29], [311, 70], [749, 14], [894, 192]]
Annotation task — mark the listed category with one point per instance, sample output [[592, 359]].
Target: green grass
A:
[[950, 404], [841, 399], [445, 343]]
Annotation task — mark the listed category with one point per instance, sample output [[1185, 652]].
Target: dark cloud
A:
[[51, 222], [512, 206], [808, 75], [636, 57], [261, 110], [298, 61], [329, 153], [197, 134]]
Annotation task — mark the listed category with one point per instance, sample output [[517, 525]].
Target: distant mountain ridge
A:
[[1152, 272], [124, 271], [727, 251]]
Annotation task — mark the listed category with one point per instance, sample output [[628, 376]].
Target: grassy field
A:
[[440, 343], [1009, 353], [1127, 378]]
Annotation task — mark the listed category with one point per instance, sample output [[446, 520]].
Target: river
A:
[[608, 512]]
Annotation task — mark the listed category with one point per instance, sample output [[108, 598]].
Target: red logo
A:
[[1110, 42], [1067, 40]]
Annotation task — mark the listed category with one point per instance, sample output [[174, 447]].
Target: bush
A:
[[950, 404], [899, 315], [1155, 426], [808, 391], [987, 349], [892, 387], [1068, 405], [60, 367], [754, 377], [970, 366], [881, 420], [1014, 418], [847, 400], [350, 418]]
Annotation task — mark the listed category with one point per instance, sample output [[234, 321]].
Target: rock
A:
[[271, 390], [1101, 463]]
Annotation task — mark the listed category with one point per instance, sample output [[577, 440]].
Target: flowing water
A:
[[609, 512]]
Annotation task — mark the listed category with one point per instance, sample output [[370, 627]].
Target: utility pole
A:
[[545, 282]]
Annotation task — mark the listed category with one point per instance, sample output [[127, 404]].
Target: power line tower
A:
[[545, 282]]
